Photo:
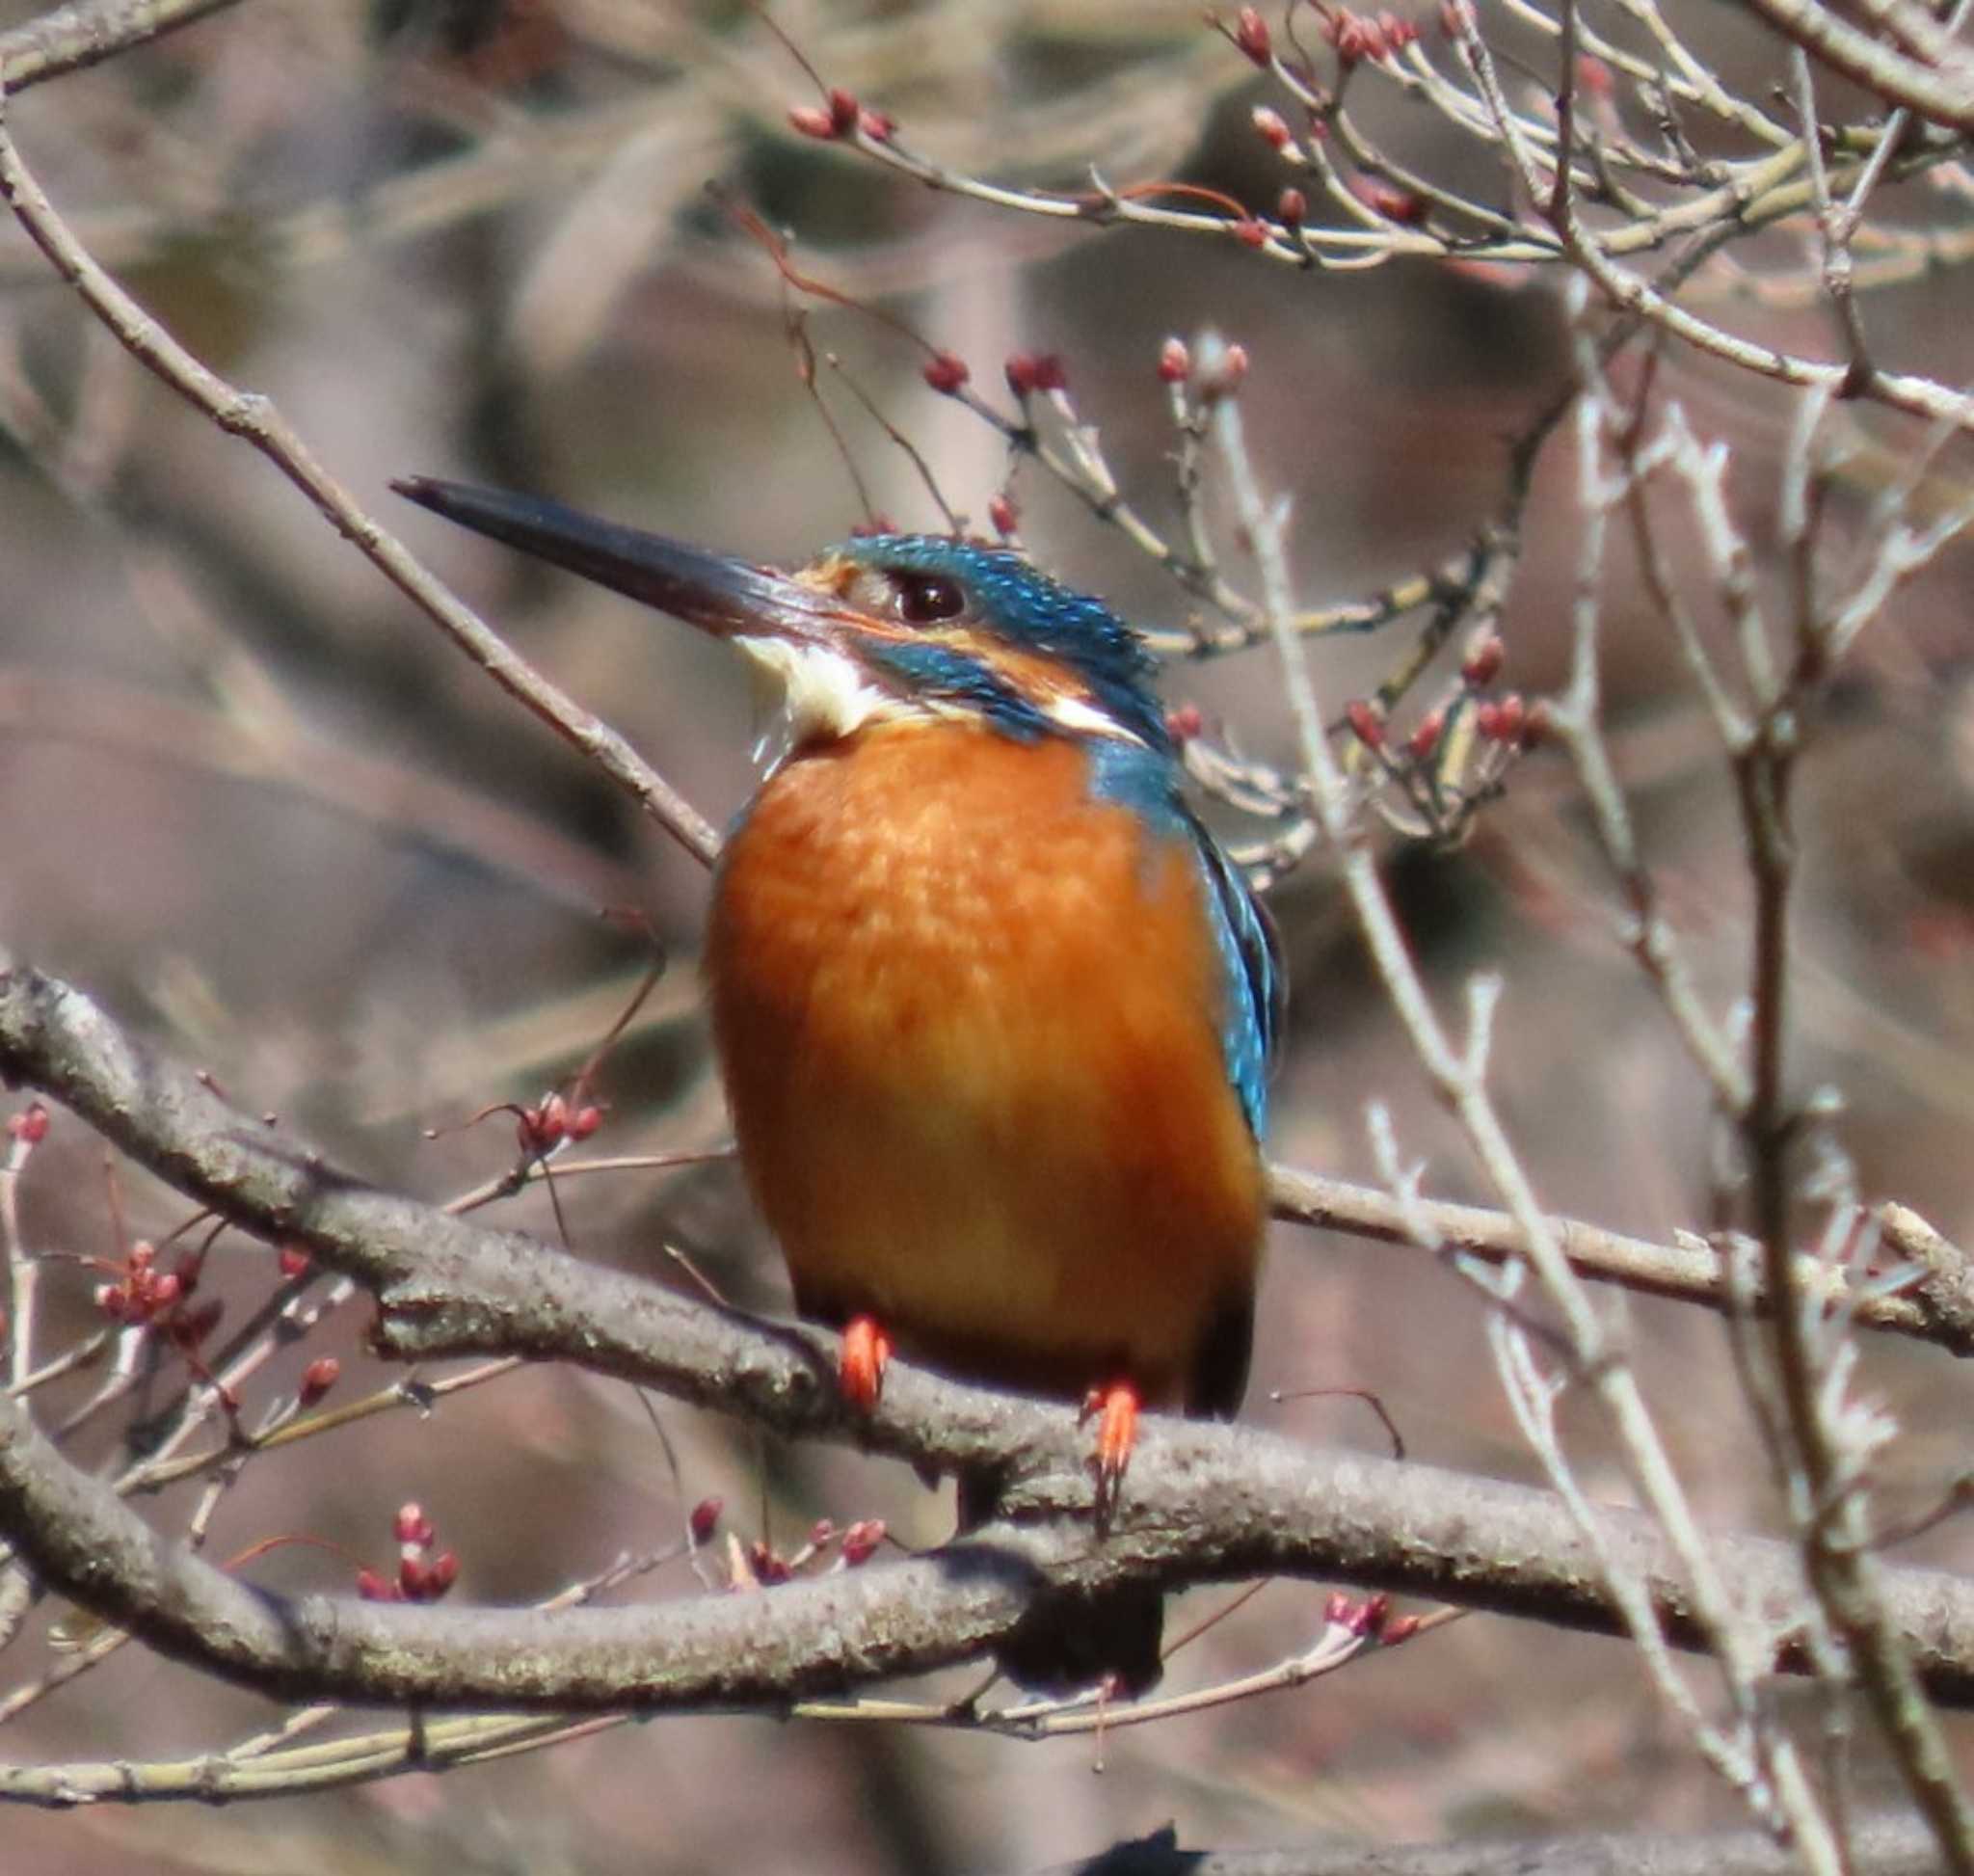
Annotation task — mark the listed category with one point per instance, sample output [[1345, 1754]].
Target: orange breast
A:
[[968, 1017]]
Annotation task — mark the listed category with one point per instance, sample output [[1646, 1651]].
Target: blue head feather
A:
[[1016, 601]]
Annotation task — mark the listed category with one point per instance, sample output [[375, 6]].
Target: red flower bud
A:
[[1371, 1614], [1003, 514], [1249, 232], [318, 1377], [1425, 739], [1292, 208], [294, 1261], [1184, 722], [1398, 205], [1366, 721], [372, 1588], [860, 1540], [1273, 127], [1251, 35], [1228, 377], [812, 122], [1028, 372], [1486, 655], [1175, 361], [704, 1519], [412, 1525], [30, 1126], [946, 373], [766, 1565]]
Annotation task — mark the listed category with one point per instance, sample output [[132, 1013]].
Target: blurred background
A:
[[252, 801]]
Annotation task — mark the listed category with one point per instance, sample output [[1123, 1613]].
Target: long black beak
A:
[[715, 592]]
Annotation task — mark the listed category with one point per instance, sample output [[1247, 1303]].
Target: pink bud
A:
[[1028, 372], [318, 1377], [946, 373], [1484, 656], [862, 1539], [30, 1126], [1425, 739], [1366, 721], [1273, 127]]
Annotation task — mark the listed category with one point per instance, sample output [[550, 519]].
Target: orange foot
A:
[[1115, 1409], [867, 1349]]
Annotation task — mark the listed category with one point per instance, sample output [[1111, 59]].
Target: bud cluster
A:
[[840, 117], [1456, 754], [142, 1291], [423, 1576], [553, 1119]]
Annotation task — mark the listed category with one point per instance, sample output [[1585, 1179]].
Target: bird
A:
[[993, 1010]]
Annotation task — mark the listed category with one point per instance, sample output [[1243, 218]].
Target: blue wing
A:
[[1256, 993], [1253, 983]]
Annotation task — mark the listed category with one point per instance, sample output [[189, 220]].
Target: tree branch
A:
[[1203, 1502], [71, 38]]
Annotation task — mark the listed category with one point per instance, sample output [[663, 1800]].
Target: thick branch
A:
[[1203, 1502], [1940, 95], [1939, 1307], [71, 39]]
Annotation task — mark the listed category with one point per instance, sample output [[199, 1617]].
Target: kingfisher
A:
[[993, 1008]]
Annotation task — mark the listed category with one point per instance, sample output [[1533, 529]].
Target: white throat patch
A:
[[823, 692]]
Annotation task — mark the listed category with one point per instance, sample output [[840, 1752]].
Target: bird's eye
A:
[[923, 598]]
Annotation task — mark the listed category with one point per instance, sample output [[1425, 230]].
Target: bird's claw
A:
[[866, 1350], [1115, 1410]]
